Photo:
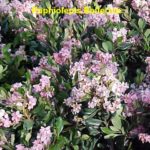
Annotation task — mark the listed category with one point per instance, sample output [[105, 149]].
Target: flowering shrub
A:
[[74, 81], [96, 82]]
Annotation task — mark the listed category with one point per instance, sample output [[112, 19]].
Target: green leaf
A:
[[99, 32], [141, 24], [75, 147], [147, 33], [139, 77], [125, 46], [62, 95], [28, 124], [59, 125], [93, 122], [29, 16], [12, 139], [60, 143], [114, 128], [116, 121], [93, 131], [28, 136], [48, 5], [85, 137], [107, 46], [111, 136], [75, 78], [106, 130], [6, 54], [89, 111], [2, 70]]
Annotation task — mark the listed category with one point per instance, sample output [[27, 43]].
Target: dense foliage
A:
[[74, 81]]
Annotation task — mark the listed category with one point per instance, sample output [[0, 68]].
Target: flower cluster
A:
[[96, 83], [130, 99], [122, 33], [148, 65], [18, 100], [137, 130], [142, 6], [39, 27], [43, 139], [96, 19], [64, 54], [4, 7], [63, 3], [138, 94], [21, 7], [135, 40], [43, 65], [73, 17], [83, 3], [144, 137], [118, 2], [6, 121], [44, 87]]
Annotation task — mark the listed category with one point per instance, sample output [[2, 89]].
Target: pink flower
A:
[[41, 22], [58, 58], [73, 17], [14, 98], [31, 101], [37, 88], [43, 139], [6, 121], [94, 102], [114, 17], [96, 19], [2, 113], [95, 68], [43, 62], [44, 81], [83, 3], [118, 2], [4, 7], [135, 40], [62, 57], [87, 58], [77, 67], [16, 117], [142, 7], [20, 147], [148, 67], [37, 145], [20, 7], [119, 33], [44, 87], [47, 94], [35, 73], [63, 3], [41, 37], [144, 137], [103, 57], [130, 98], [146, 96], [137, 130], [16, 86], [44, 135], [76, 108]]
